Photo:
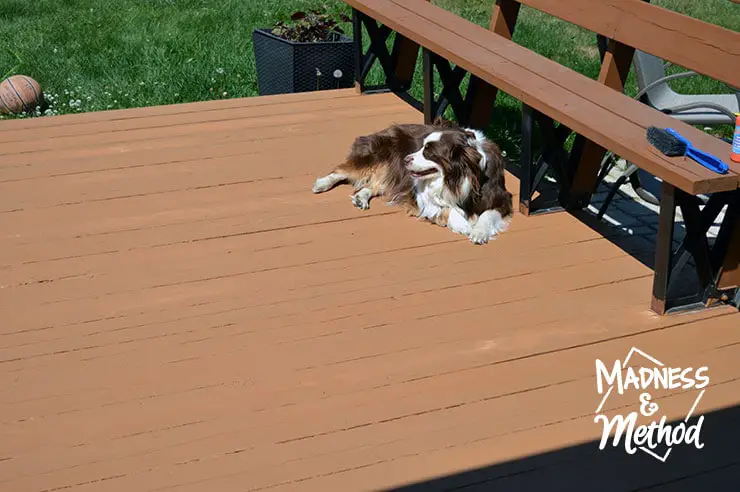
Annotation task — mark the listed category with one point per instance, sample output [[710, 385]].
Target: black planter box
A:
[[285, 66]]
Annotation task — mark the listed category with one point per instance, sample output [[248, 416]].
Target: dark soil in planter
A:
[[285, 66]]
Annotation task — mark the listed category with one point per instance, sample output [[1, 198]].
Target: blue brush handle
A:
[[704, 158]]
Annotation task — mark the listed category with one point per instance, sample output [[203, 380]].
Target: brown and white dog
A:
[[448, 175]]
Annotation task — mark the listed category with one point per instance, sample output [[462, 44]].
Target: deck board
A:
[[180, 312]]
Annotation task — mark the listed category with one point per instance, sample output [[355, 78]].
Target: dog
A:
[[449, 175]]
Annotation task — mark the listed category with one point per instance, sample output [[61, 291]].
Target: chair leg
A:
[[642, 192], [631, 170], [613, 191], [634, 178], [606, 166]]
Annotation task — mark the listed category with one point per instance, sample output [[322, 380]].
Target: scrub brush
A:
[[672, 144]]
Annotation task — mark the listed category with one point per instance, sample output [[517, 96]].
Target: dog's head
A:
[[452, 155]]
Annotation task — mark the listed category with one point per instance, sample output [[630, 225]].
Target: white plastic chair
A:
[[694, 109]]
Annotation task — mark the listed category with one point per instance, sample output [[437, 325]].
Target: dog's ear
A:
[[438, 121], [464, 162], [467, 156], [442, 123], [470, 135], [466, 150]]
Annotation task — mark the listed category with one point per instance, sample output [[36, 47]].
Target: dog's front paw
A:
[[458, 223], [478, 236]]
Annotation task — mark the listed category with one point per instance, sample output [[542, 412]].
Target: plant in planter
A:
[[307, 54]]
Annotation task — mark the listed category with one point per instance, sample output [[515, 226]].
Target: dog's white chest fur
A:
[[430, 199]]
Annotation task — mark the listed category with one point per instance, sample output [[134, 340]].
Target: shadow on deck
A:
[[715, 466]]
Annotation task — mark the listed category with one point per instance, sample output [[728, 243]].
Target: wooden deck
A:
[[179, 312]]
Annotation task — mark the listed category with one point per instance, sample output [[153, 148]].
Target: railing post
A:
[[357, 37], [616, 59], [729, 270], [428, 70], [525, 176], [503, 21], [664, 249]]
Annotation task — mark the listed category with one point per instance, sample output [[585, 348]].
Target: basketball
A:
[[19, 94]]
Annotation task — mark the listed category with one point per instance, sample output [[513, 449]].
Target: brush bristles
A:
[[665, 142]]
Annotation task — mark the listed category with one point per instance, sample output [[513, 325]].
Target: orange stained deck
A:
[[179, 312]]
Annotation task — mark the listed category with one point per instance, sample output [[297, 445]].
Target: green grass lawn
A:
[[91, 55]]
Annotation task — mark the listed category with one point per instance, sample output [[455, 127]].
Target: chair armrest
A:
[[663, 80], [717, 107]]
